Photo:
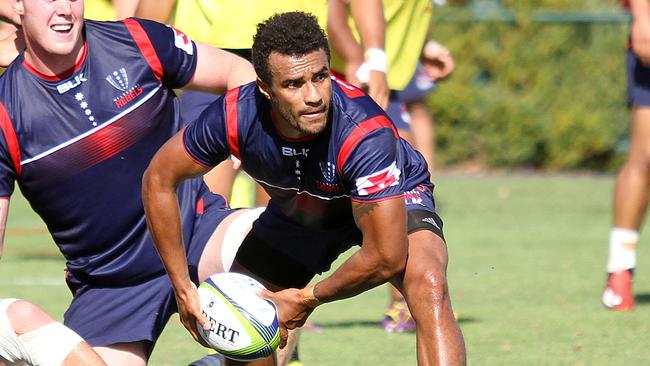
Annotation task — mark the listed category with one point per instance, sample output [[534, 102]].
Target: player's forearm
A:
[[361, 272], [164, 222], [4, 213], [368, 15], [640, 10], [340, 35]]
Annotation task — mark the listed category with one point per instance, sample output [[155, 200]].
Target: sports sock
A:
[[622, 249]]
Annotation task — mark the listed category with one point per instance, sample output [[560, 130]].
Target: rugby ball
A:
[[244, 326]]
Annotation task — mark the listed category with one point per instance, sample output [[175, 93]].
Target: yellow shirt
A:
[[230, 23], [99, 10], [407, 23]]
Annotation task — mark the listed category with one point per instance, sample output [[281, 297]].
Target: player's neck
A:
[[50, 64]]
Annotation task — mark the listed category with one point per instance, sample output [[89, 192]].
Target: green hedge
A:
[[532, 92]]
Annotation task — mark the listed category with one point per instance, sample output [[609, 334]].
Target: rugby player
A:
[[338, 175]]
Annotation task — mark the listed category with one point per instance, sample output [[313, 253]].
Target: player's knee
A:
[[430, 284], [26, 317]]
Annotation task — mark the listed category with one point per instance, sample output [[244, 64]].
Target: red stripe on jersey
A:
[[359, 133], [350, 90], [232, 98], [200, 207], [144, 44], [10, 135]]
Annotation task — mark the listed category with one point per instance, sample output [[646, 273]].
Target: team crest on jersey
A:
[[328, 183], [119, 79], [182, 41], [378, 181]]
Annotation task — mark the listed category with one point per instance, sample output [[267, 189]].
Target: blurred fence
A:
[[534, 86]]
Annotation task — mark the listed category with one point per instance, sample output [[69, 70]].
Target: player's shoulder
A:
[[356, 112]]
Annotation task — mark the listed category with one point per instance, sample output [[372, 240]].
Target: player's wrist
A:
[[376, 59], [308, 297]]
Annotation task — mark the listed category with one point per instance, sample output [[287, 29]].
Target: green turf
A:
[[527, 257]]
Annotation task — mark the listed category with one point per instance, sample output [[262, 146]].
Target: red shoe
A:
[[618, 292]]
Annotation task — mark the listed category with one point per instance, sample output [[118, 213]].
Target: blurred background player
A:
[[30, 337], [411, 68], [633, 181]]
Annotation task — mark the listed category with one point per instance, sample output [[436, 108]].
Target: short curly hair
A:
[[293, 34]]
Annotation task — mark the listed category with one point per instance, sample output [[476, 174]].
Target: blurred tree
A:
[[531, 88]]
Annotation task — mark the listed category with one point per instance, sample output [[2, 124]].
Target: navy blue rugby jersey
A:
[[357, 157], [78, 144]]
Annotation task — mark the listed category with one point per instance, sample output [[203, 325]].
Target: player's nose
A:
[[312, 94], [63, 7]]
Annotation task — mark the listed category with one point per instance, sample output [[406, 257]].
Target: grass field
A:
[[527, 256]]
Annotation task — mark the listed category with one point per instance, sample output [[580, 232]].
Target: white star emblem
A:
[[83, 105], [88, 112], [79, 97]]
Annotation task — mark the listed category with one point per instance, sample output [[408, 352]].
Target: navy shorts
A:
[[420, 86], [271, 263], [398, 113], [417, 89], [108, 315], [638, 81]]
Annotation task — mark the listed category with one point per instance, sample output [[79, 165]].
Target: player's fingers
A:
[[266, 294], [284, 333]]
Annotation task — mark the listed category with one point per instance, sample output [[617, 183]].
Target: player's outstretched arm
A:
[[218, 70], [382, 254], [381, 257], [4, 213], [170, 166]]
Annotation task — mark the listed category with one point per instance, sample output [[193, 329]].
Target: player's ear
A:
[[17, 6], [264, 88]]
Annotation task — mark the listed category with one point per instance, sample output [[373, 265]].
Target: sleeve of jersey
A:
[[7, 170], [175, 50], [205, 139], [373, 171]]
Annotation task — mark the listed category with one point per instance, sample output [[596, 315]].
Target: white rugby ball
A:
[[244, 326]]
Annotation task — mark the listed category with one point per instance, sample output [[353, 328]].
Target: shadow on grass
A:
[[376, 323], [642, 298]]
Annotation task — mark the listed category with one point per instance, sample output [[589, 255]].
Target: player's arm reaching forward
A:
[[170, 166], [4, 213]]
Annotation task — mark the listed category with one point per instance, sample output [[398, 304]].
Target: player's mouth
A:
[[62, 28], [313, 114]]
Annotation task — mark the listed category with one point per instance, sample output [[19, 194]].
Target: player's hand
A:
[[641, 39], [351, 68], [437, 60], [378, 88], [293, 311], [189, 310]]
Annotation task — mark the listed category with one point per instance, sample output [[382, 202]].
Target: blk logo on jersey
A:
[[290, 151], [71, 84], [182, 41], [378, 181]]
